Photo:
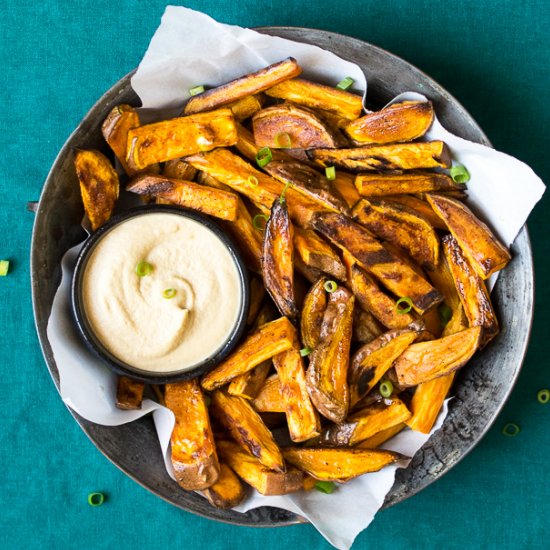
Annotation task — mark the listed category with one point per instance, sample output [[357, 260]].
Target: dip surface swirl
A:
[[130, 315]]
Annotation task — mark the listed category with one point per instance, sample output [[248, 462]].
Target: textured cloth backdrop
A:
[[56, 59]]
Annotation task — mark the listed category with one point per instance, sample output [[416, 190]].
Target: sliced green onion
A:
[[196, 90], [207, 400], [327, 487], [511, 429], [400, 308], [543, 396], [96, 499], [169, 293], [445, 313], [4, 267], [386, 388], [282, 197], [304, 352], [459, 173], [143, 269], [283, 140], [330, 286], [345, 84], [255, 222], [264, 157], [330, 173], [253, 180]]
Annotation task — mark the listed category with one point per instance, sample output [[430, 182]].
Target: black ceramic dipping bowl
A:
[[116, 364]]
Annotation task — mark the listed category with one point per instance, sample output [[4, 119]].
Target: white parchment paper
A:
[[190, 48]]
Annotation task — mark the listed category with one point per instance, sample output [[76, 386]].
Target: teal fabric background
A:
[[56, 59]]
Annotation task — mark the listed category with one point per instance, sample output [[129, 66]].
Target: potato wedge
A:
[[259, 346], [302, 418], [365, 327], [243, 86], [425, 361], [115, 128], [179, 137], [289, 126], [389, 269], [381, 437], [398, 156], [278, 260], [270, 398], [252, 471], [329, 361], [316, 253], [401, 227], [402, 121], [247, 428], [378, 184], [333, 464], [366, 423], [472, 291], [372, 299], [419, 206], [220, 204], [246, 106], [313, 311], [485, 253], [99, 185], [194, 457], [129, 393], [310, 94], [179, 169], [371, 361], [228, 491]]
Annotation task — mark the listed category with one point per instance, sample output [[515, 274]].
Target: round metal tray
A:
[[481, 388]]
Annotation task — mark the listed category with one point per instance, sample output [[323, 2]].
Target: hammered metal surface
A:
[[481, 389]]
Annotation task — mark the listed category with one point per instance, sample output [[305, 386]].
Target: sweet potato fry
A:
[[421, 207], [303, 92], [129, 393], [289, 126], [257, 293], [398, 156], [402, 121], [425, 361], [265, 342], [485, 253], [270, 398], [220, 204], [179, 137], [115, 128], [375, 184], [278, 259], [329, 361], [366, 423], [228, 491], [246, 106], [471, 290], [313, 311], [179, 169], [194, 457], [99, 185], [333, 464], [247, 428], [345, 185], [248, 84], [401, 227], [389, 269], [381, 437], [365, 326], [253, 472], [371, 361]]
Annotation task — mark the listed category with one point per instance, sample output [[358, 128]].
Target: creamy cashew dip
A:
[[176, 315]]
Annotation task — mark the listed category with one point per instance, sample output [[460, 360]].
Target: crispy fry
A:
[[398, 156], [129, 393], [303, 92], [421, 207], [333, 464], [485, 253], [99, 185], [328, 365], [194, 457], [370, 362], [390, 270], [401, 227], [472, 291], [270, 399], [365, 326], [243, 86], [179, 137], [246, 106], [247, 428], [179, 169], [345, 185], [425, 361], [228, 491], [381, 437], [313, 311], [265, 342], [317, 254], [402, 121], [366, 423]]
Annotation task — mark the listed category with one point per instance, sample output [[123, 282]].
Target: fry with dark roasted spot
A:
[[313, 311], [129, 393], [318, 254]]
